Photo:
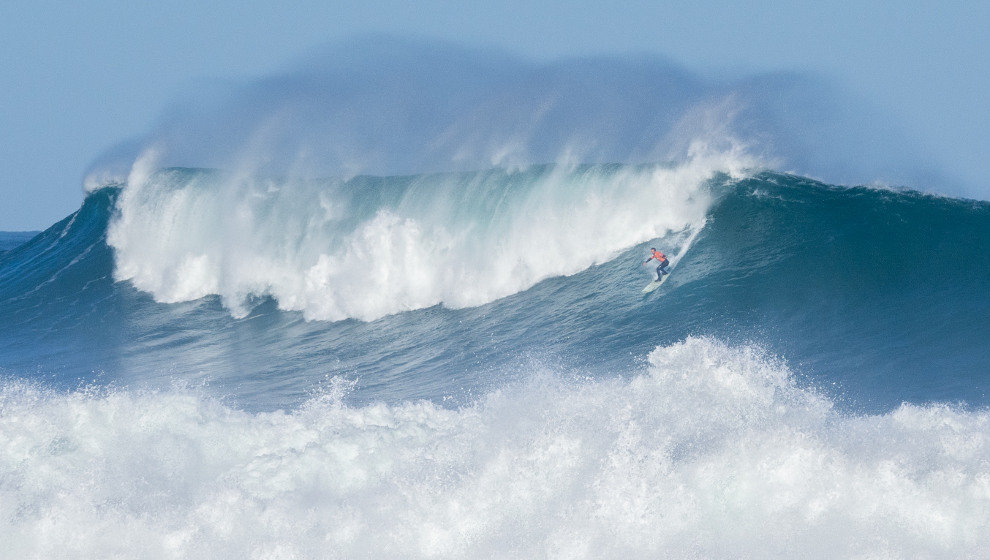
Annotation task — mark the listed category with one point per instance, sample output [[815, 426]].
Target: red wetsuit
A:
[[662, 259]]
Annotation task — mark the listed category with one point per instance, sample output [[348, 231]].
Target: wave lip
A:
[[712, 449]]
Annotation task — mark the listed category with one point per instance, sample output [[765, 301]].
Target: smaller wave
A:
[[712, 449], [370, 247], [13, 239]]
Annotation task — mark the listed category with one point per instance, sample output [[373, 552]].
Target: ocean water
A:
[[460, 365]]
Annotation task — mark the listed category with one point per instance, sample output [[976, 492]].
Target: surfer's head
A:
[[653, 248]]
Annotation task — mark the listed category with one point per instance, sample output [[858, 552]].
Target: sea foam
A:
[[710, 451]]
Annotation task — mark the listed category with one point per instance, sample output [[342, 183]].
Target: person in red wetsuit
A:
[[662, 259]]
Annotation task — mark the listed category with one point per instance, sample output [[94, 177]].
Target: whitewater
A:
[[461, 240], [443, 351], [710, 451]]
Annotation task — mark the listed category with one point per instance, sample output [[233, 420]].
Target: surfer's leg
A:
[[659, 272]]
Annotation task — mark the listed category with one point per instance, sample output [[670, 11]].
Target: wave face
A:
[[200, 364]]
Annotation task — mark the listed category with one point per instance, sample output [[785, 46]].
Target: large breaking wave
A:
[[839, 279], [294, 214]]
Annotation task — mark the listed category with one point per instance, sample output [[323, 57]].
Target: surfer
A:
[[662, 259]]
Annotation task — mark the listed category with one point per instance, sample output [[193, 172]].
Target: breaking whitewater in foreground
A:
[[710, 451]]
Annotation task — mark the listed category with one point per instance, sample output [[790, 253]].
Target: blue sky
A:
[[82, 77]]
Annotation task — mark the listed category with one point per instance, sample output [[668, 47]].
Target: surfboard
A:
[[655, 284]]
